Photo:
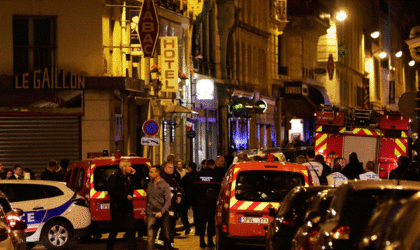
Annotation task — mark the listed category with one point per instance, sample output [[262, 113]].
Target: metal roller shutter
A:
[[32, 141]]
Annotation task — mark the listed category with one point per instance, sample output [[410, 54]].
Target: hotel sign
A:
[[50, 78], [169, 62]]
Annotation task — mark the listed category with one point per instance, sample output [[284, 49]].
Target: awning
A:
[[178, 109], [301, 100]]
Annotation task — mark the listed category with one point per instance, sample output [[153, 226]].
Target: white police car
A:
[[54, 213]]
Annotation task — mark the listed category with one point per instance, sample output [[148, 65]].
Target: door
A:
[[365, 147]]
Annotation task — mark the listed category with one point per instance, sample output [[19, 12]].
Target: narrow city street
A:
[[183, 242]]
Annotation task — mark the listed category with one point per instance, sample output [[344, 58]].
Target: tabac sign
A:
[[148, 28]]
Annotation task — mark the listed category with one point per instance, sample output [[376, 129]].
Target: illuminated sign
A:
[[148, 27], [205, 89], [169, 62], [49, 78]]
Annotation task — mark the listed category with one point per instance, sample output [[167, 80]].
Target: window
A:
[[34, 43], [80, 178], [391, 92], [266, 185], [102, 174], [74, 178], [27, 192]]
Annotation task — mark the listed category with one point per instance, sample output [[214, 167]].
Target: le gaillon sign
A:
[[49, 78]]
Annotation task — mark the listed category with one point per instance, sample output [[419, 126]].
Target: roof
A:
[[381, 184], [286, 166]]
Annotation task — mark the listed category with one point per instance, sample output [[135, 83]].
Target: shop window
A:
[[34, 45]]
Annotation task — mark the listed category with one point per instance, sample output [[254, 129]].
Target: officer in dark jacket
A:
[[121, 189], [190, 196], [207, 183], [176, 194]]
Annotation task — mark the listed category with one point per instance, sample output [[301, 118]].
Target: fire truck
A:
[[375, 136]]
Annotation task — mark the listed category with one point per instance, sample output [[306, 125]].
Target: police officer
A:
[[121, 189], [176, 194], [207, 183]]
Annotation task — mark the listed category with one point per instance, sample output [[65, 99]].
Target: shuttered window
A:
[[32, 141]]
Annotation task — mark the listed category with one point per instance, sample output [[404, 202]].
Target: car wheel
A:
[[221, 242], [56, 235]]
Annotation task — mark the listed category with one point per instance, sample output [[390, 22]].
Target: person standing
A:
[[121, 189], [354, 168], [220, 166], [61, 170], [404, 171], [17, 173], [336, 178], [180, 169], [1, 169], [326, 170], [369, 174], [49, 173], [315, 168], [187, 183], [208, 184], [169, 176], [157, 208], [229, 157]]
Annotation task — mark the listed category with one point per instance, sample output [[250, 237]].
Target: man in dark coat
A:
[[49, 173], [121, 189], [190, 197], [208, 183], [176, 194], [404, 171], [354, 168]]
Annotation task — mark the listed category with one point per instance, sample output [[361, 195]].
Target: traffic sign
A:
[[148, 27], [149, 141], [150, 127], [191, 134]]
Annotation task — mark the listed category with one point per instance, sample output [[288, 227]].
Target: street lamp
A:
[[382, 55], [398, 54], [341, 16], [411, 63], [375, 34]]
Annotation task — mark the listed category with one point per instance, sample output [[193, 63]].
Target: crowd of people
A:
[[54, 171], [171, 192]]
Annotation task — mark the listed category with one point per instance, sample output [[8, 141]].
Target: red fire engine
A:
[[374, 136]]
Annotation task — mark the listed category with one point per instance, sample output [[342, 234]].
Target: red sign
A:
[[150, 127], [148, 27], [330, 66]]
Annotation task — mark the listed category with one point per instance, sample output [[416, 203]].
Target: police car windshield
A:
[[266, 185], [102, 173]]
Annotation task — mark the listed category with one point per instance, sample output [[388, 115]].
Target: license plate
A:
[[253, 220], [103, 206]]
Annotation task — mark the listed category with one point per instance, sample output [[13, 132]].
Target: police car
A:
[[53, 212]]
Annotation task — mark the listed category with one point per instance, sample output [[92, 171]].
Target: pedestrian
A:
[[171, 158], [61, 171], [8, 174], [369, 174], [169, 176], [220, 168], [404, 171], [242, 157], [315, 168], [28, 174], [208, 185], [49, 173], [157, 208], [326, 170], [180, 169], [300, 159], [190, 197], [1, 169], [203, 164], [17, 172], [120, 190], [354, 168], [229, 157], [336, 178]]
